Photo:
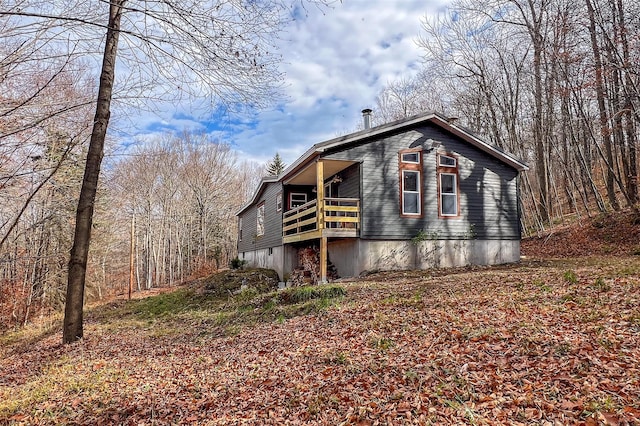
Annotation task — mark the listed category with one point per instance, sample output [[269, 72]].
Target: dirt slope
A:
[[610, 234]]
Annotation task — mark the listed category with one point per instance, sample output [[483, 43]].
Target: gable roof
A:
[[263, 184], [341, 141]]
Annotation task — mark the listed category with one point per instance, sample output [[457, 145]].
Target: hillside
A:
[[545, 342], [537, 343], [607, 234]]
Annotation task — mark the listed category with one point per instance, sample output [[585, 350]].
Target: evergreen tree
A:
[[275, 166]]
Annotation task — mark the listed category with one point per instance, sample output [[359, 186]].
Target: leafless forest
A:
[[552, 81]]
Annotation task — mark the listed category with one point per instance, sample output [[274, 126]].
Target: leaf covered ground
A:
[[537, 343], [609, 234]]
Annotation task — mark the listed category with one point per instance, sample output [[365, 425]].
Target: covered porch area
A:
[[316, 211]]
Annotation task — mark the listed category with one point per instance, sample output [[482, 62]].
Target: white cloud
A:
[[335, 64], [336, 61]]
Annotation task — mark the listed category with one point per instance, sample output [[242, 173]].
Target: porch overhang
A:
[[307, 175]]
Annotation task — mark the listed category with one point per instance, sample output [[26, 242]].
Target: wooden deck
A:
[[340, 218]]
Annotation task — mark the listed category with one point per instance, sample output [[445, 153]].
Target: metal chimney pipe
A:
[[366, 116]]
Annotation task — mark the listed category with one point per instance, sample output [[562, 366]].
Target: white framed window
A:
[[448, 186], [260, 220], [279, 202], [410, 168], [411, 197], [239, 229], [411, 157], [296, 199], [448, 194], [447, 161]]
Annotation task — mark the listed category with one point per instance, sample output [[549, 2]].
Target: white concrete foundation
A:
[[353, 257], [262, 259]]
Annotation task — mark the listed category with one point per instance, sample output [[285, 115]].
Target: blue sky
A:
[[335, 61]]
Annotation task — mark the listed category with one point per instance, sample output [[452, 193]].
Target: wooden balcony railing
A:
[[341, 213], [300, 219], [341, 217]]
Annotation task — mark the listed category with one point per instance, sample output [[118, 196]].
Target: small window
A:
[[279, 202], [260, 220], [446, 161], [296, 199], [239, 229], [411, 157], [270, 251]]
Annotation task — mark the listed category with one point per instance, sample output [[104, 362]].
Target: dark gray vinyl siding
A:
[[350, 185], [272, 221], [488, 189]]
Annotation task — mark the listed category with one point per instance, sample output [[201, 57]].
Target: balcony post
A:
[[320, 219], [320, 193]]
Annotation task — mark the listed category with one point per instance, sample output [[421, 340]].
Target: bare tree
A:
[[223, 50], [553, 82], [184, 190], [401, 98], [44, 103]]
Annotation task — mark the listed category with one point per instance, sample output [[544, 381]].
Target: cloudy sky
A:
[[336, 61]]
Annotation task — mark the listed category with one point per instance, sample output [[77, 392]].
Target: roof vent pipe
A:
[[366, 116]]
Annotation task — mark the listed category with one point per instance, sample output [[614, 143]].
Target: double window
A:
[[411, 183], [448, 193]]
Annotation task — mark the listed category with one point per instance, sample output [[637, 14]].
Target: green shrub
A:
[[237, 263]]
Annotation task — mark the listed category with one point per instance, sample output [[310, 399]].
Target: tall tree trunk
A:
[[542, 167], [632, 178], [632, 185], [604, 125], [73, 313]]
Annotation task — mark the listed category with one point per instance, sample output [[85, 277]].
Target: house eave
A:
[[321, 147], [483, 146], [442, 121]]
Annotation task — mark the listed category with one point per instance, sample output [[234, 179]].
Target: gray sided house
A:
[[416, 193]]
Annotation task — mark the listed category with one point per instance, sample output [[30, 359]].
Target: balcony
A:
[[340, 219]]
